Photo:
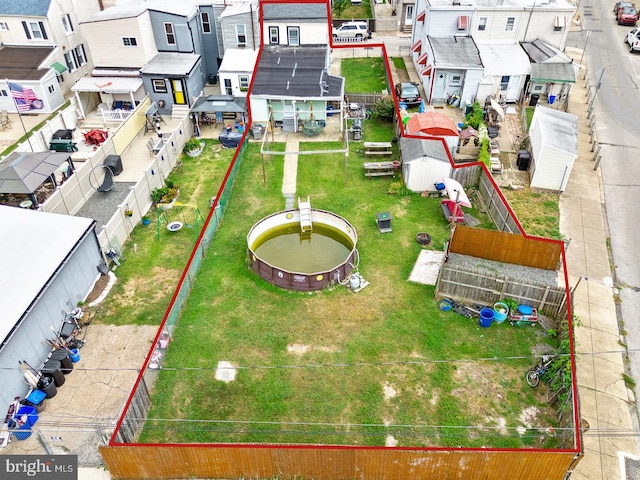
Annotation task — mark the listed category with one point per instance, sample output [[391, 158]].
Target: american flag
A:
[[25, 98]]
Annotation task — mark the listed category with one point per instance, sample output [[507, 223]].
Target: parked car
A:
[[354, 30], [408, 93], [627, 16], [633, 39], [619, 6]]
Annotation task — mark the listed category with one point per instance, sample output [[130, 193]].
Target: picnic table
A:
[[377, 148], [379, 169]]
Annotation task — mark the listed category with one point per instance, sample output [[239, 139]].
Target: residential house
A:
[[236, 71], [292, 82], [496, 30], [405, 10], [41, 25], [295, 24], [239, 26]]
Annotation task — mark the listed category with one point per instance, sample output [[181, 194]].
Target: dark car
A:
[[408, 93], [627, 16]]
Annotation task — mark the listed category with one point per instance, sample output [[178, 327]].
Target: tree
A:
[[339, 6], [384, 108]]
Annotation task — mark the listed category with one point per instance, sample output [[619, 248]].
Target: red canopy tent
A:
[[432, 123]]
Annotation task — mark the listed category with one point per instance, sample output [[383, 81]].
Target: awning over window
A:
[[463, 22], [422, 59], [421, 16], [58, 67], [560, 22], [426, 71], [416, 46]]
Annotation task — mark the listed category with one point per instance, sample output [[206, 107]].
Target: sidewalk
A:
[[605, 401]]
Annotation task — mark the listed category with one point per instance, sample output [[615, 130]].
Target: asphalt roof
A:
[[454, 52], [429, 147], [295, 72], [27, 8], [23, 63], [294, 11]]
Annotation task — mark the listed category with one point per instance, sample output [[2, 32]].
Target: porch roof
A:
[[504, 59], [170, 64], [455, 52], [553, 73], [23, 63], [107, 84]]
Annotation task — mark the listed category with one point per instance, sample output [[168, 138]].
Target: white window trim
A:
[[293, 29], [512, 25], [129, 39], [67, 24], [169, 34], [207, 22], [159, 85], [34, 28], [275, 30], [481, 24], [239, 33], [4, 27]]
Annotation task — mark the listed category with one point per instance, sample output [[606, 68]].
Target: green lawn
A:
[[334, 366], [364, 75]]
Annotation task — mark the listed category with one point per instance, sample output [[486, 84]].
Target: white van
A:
[[355, 30]]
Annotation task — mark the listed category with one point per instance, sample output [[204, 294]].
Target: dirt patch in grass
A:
[[537, 210]]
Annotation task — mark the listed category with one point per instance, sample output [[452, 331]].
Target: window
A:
[[80, 55], [129, 41], [4, 27], [294, 35], [34, 30], [168, 30], [59, 77], [456, 80], [274, 35], [51, 88], [244, 82], [504, 82], [511, 21], [482, 24], [66, 24], [3, 93], [159, 85], [241, 35], [559, 24], [71, 62], [206, 23], [537, 88]]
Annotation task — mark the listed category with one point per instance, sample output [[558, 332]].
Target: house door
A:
[[513, 88], [227, 86], [408, 18], [440, 87], [178, 92]]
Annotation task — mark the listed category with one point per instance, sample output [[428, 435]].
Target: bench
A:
[[447, 212], [379, 169]]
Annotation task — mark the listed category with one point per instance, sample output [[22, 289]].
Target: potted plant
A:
[[165, 195], [146, 220], [128, 212], [193, 147]]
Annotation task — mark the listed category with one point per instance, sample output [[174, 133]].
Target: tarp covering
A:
[[456, 192], [432, 123], [25, 172]]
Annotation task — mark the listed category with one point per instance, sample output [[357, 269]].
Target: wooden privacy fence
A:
[[493, 203], [332, 463]]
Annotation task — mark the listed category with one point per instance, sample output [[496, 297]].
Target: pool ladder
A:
[[305, 215]]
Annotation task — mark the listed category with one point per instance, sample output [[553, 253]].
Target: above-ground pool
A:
[[287, 257]]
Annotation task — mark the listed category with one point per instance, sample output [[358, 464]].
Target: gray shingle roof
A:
[[455, 52], [294, 11], [412, 148], [294, 72], [27, 8], [21, 63]]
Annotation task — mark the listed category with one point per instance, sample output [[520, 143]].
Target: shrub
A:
[[384, 108], [192, 144], [475, 117]]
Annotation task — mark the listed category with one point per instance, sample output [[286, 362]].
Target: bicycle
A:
[[533, 376]]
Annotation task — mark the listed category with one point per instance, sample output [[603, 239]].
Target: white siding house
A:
[[424, 163], [295, 24], [236, 71], [554, 146]]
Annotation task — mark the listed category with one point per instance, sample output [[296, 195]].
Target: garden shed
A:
[[424, 163], [554, 147], [49, 264], [434, 124]]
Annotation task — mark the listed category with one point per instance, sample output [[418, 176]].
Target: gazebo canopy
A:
[[220, 103], [24, 172], [432, 123]]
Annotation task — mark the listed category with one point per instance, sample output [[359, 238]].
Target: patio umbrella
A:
[[456, 192]]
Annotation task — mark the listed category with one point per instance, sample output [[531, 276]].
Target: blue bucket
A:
[[500, 312], [74, 355], [486, 317]]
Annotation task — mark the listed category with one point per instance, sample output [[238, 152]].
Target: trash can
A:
[[213, 79], [35, 399], [356, 129], [48, 386], [114, 162], [533, 101], [53, 369], [257, 131], [329, 111], [61, 355], [523, 161], [552, 98], [383, 219]]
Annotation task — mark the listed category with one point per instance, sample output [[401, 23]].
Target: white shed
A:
[[424, 163], [554, 147]]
